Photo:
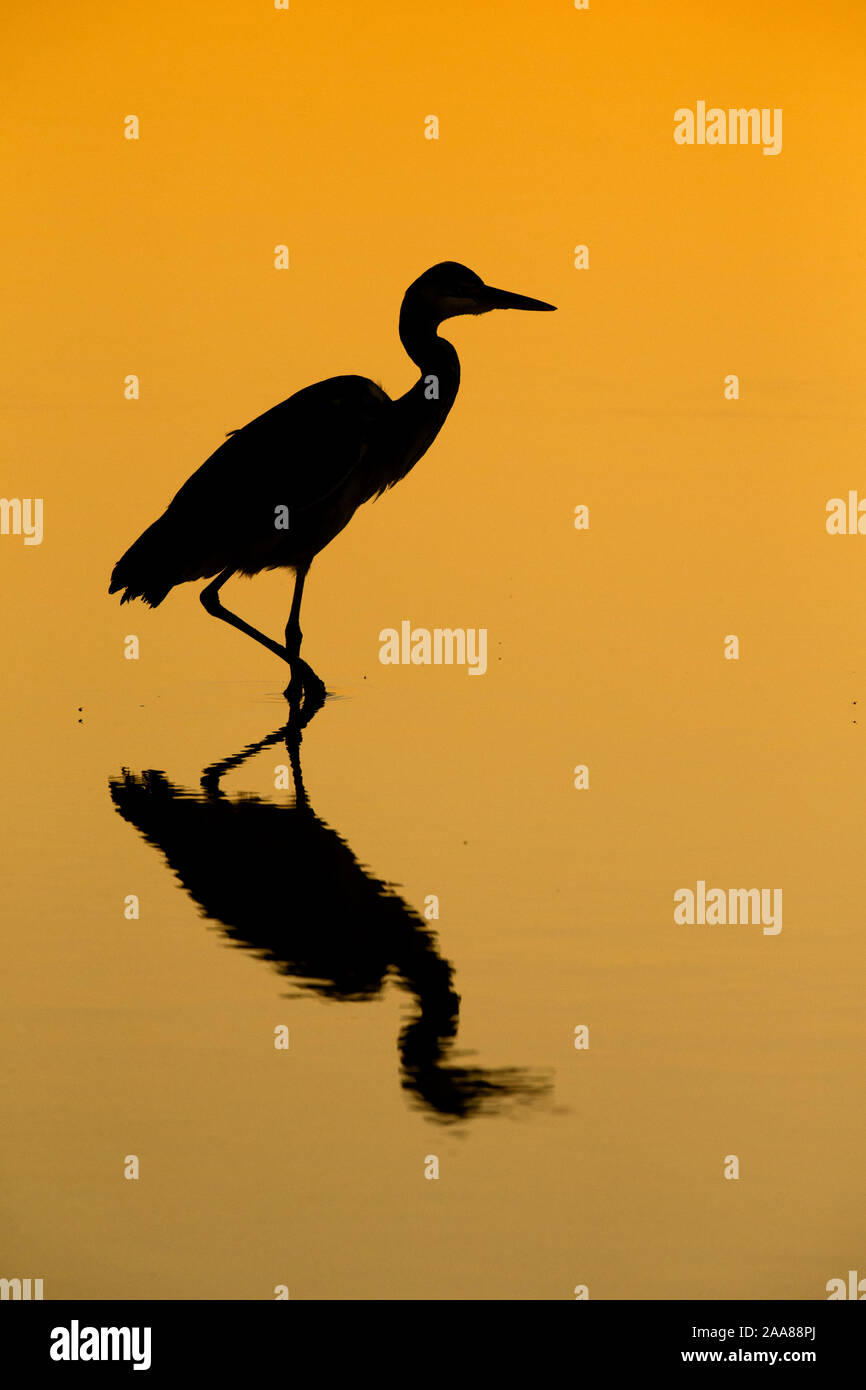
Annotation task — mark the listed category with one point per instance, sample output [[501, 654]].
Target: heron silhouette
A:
[[285, 885], [276, 492]]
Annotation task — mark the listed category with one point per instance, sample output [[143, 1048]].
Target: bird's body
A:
[[312, 456], [276, 492]]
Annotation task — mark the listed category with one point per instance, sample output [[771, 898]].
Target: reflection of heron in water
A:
[[283, 884]]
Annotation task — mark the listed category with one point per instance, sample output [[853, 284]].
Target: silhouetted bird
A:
[[311, 461], [287, 887]]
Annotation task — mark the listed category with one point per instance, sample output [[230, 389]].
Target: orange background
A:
[[707, 517]]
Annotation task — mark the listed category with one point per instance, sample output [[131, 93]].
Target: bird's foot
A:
[[305, 693]]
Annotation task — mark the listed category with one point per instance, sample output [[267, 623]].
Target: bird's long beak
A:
[[504, 299]]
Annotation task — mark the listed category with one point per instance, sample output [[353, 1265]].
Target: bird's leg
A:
[[295, 689], [293, 626], [211, 602], [304, 680]]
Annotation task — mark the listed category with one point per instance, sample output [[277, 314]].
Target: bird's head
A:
[[449, 289]]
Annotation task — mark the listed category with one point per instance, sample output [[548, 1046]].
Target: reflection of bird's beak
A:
[[504, 299]]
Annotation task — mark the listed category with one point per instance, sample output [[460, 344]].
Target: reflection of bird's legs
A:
[[210, 778], [211, 601], [288, 733]]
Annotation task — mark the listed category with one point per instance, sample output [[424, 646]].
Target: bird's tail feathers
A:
[[148, 569]]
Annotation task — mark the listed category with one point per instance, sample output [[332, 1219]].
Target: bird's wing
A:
[[297, 454]]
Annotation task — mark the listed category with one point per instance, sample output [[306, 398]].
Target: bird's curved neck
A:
[[417, 417], [435, 357]]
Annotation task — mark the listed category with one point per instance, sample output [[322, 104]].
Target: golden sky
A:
[[156, 257]]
